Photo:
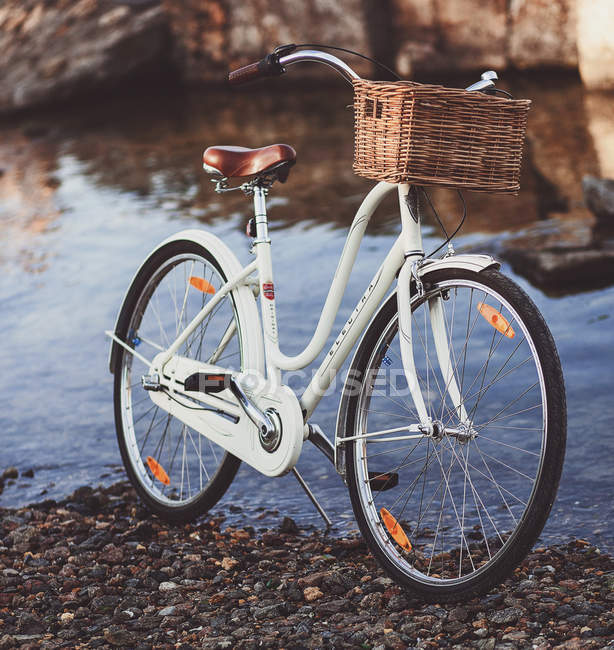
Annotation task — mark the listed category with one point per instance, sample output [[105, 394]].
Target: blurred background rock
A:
[[56, 49]]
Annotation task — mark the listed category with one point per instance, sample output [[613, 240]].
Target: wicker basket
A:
[[407, 132]]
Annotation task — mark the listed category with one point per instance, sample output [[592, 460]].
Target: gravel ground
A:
[[96, 571]]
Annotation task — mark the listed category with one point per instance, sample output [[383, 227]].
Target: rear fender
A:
[[243, 297]]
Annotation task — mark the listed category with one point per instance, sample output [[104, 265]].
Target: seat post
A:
[[262, 249], [262, 226]]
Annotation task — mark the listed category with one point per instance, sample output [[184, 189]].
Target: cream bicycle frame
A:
[[404, 253]]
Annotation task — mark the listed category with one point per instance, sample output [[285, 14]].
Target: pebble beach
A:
[[96, 570]]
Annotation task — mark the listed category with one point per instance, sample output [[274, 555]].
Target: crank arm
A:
[[267, 421]]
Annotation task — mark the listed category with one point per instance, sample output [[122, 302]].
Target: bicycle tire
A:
[[435, 569], [223, 466]]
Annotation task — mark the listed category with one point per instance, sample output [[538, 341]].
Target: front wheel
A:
[[177, 472], [450, 513]]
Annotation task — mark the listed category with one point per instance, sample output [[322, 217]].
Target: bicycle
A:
[[452, 421]]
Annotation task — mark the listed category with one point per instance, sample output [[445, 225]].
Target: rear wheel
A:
[[177, 472], [450, 514]]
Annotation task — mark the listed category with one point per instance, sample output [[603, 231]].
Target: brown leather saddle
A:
[[232, 162]]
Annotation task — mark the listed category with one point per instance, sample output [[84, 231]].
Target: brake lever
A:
[[282, 50]]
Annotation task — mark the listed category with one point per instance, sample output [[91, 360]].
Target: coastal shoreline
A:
[[96, 570]]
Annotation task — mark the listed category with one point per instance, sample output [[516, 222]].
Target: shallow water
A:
[[85, 195]]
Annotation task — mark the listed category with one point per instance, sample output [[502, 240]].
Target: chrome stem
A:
[[320, 57]]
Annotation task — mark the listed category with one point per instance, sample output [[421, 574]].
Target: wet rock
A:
[[397, 602], [8, 642], [154, 550], [372, 601], [112, 554], [312, 593], [288, 525], [564, 611], [118, 636], [486, 644], [96, 541], [599, 197], [10, 472], [303, 630], [505, 616], [543, 570], [492, 600], [560, 256], [335, 606], [24, 538], [335, 583], [29, 473], [30, 624], [459, 614], [229, 563], [270, 611]]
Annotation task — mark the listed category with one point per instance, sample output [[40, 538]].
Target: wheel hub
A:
[[462, 433]]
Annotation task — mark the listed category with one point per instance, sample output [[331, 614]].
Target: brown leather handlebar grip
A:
[[246, 73]]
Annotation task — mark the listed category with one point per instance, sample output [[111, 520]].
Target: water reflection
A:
[[28, 203], [152, 146]]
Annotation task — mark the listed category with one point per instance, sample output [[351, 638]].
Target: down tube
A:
[[353, 328]]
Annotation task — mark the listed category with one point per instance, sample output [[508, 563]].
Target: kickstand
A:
[[311, 496]]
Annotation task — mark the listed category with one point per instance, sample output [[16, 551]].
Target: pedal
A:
[[381, 482], [203, 382]]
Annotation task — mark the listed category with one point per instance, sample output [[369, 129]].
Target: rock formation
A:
[[213, 36], [596, 43], [57, 49], [542, 32]]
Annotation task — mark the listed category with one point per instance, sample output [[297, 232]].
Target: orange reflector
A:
[[394, 528], [495, 318], [201, 284], [158, 471]]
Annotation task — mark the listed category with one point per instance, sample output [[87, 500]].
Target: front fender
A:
[[245, 303], [468, 262]]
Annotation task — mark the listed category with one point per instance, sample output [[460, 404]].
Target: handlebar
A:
[[275, 64]]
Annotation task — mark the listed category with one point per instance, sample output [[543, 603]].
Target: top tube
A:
[[317, 56]]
